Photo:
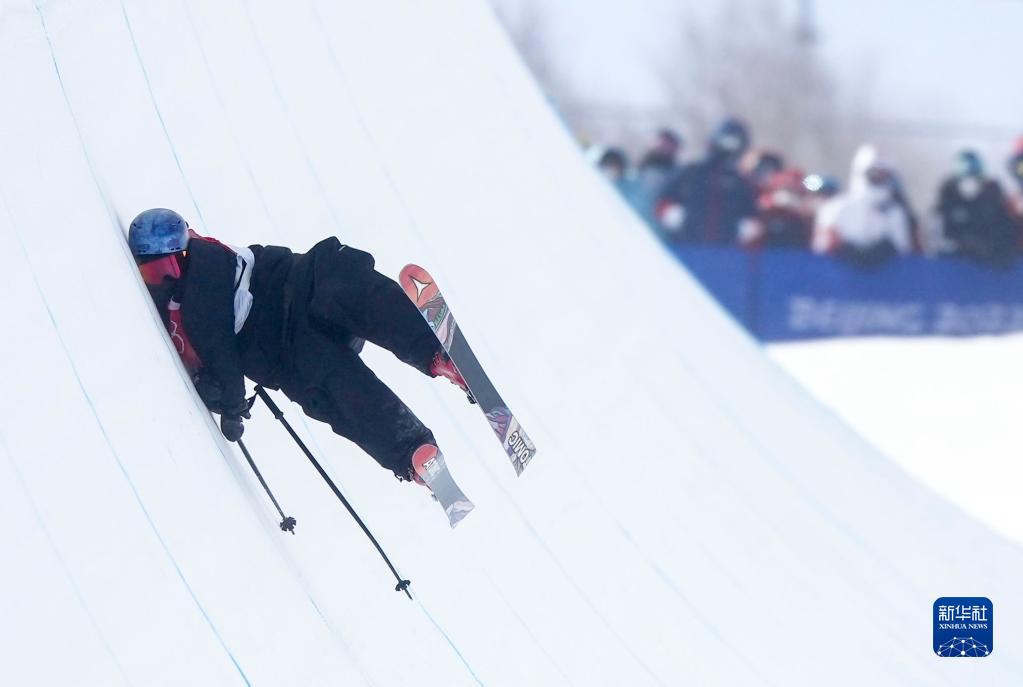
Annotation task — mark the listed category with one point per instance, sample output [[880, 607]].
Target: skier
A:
[[294, 322]]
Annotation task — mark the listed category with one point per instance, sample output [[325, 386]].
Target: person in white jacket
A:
[[868, 224]]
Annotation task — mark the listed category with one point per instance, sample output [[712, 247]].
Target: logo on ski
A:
[[420, 287], [518, 447], [431, 467]]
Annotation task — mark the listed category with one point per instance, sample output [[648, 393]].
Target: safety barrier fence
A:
[[786, 295]]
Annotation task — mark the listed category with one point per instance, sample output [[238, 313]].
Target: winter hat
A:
[[969, 164]]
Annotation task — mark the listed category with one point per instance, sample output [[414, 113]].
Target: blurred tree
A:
[[760, 60], [752, 60], [527, 26]]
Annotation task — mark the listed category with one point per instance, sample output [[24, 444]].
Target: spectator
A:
[[973, 214], [663, 156], [758, 166], [710, 201], [658, 165], [786, 211], [614, 165], [866, 225], [1016, 163], [1016, 200]]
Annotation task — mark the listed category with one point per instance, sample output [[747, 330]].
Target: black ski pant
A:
[[349, 300]]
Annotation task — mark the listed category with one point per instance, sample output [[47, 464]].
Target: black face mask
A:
[[162, 294]]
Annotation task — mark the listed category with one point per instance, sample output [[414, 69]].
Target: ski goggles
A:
[[159, 268]]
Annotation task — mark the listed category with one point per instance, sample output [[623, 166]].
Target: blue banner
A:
[[786, 295]]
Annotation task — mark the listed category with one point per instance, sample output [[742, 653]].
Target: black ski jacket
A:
[[206, 292], [716, 198], [980, 227], [284, 306]]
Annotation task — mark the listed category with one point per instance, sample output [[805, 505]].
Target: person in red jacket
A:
[[785, 210], [294, 322]]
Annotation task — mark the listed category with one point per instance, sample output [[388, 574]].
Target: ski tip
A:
[[417, 284]]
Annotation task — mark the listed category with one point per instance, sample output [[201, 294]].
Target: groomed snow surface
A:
[[947, 410], [692, 516]]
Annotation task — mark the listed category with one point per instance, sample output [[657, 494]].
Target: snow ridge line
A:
[[223, 108], [660, 573], [250, 172], [309, 434], [415, 226], [117, 458], [159, 114], [549, 550], [336, 63], [79, 595], [451, 643], [722, 404], [286, 111], [77, 376], [525, 626]]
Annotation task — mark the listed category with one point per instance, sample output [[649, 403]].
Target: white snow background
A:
[[692, 515], [945, 409]]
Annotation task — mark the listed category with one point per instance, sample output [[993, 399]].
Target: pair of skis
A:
[[421, 288]]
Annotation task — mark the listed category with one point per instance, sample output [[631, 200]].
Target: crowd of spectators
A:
[[735, 194]]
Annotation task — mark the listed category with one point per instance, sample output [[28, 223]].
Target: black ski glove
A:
[[232, 427], [231, 421]]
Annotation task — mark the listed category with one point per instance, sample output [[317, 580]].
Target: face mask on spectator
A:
[[728, 143], [969, 187], [880, 184]]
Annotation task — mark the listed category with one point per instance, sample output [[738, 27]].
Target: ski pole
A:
[[278, 414], [287, 522]]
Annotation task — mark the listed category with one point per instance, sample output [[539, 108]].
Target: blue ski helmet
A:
[[157, 232]]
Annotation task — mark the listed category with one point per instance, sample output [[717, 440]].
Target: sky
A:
[[949, 69]]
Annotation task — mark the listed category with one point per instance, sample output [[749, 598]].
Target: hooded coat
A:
[[867, 221]]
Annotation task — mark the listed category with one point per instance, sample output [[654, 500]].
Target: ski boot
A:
[[430, 470], [442, 366]]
